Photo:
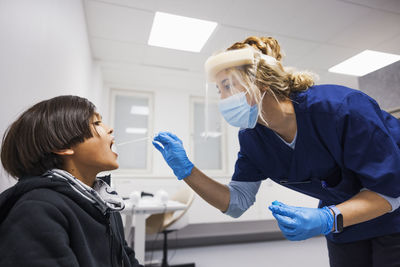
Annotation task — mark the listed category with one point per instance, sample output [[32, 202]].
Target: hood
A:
[[26, 184]]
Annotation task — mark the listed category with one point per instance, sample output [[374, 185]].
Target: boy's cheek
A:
[[100, 130]]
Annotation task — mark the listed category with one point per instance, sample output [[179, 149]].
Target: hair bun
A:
[[267, 45]]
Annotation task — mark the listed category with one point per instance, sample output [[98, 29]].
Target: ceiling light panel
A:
[[181, 33], [364, 63]]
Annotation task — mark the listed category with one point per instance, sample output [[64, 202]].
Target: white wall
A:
[[44, 52]]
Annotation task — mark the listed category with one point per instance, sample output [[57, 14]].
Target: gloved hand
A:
[[298, 223], [174, 154]]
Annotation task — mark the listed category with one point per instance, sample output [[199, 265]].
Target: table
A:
[[136, 215]]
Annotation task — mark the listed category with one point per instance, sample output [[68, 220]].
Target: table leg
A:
[[140, 236], [128, 229]]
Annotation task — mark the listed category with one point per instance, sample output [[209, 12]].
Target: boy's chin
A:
[[111, 167], [114, 167]]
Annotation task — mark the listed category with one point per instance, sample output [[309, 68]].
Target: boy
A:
[[59, 213]]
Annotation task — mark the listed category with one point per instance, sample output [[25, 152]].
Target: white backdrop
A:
[[44, 52]]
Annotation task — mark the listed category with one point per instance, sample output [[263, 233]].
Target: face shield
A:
[[233, 74]]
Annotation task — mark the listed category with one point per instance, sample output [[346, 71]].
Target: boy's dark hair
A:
[[58, 123]]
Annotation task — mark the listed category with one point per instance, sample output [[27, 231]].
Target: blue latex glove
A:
[[298, 223], [174, 154]]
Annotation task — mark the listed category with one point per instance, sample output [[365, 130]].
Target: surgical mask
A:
[[237, 112]]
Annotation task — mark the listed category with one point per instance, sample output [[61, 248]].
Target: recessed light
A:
[[364, 63], [181, 33]]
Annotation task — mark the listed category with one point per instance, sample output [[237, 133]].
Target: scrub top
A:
[[345, 142]]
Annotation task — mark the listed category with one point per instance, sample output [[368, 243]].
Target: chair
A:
[[168, 222]]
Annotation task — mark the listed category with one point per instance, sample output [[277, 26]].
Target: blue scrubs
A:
[[345, 142]]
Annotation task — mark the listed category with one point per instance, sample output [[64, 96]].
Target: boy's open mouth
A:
[[113, 147]]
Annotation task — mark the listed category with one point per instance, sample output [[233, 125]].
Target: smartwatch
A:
[[338, 219]]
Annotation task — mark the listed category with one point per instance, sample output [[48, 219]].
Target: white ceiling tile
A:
[[164, 57], [261, 15], [389, 46], [204, 9], [152, 77], [319, 20], [326, 56], [370, 30], [119, 23], [104, 49], [307, 19], [388, 5], [138, 4]]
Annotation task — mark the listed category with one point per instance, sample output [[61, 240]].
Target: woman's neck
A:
[[280, 117]]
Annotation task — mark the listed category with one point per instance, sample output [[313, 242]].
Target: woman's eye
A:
[[97, 123], [227, 87]]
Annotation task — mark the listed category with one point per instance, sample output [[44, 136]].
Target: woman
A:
[[327, 141], [59, 213]]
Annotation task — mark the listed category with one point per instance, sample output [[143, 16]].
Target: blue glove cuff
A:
[[329, 220], [185, 171]]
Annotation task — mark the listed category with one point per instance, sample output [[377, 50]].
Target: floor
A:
[[282, 253]]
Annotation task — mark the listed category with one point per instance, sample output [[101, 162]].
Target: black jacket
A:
[[44, 222]]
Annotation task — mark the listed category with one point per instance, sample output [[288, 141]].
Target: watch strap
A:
[[338, 219]]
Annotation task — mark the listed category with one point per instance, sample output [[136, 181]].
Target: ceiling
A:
[[314, 34]]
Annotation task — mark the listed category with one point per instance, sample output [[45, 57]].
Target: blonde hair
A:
[[280, 81]]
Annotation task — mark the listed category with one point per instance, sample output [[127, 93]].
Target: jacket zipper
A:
[[109, 217], [111, 238]]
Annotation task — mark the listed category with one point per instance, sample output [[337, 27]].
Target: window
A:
[[131, 115], [208, 145]]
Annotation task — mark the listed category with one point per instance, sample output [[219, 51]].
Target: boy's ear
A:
[[64, 152]]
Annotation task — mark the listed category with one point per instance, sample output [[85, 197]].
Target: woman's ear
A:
[[64, 152], [265, 89]]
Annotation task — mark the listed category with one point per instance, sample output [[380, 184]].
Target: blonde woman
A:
[[326, 141]]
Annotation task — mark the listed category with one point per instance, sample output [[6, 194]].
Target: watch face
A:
[[339, 223]]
